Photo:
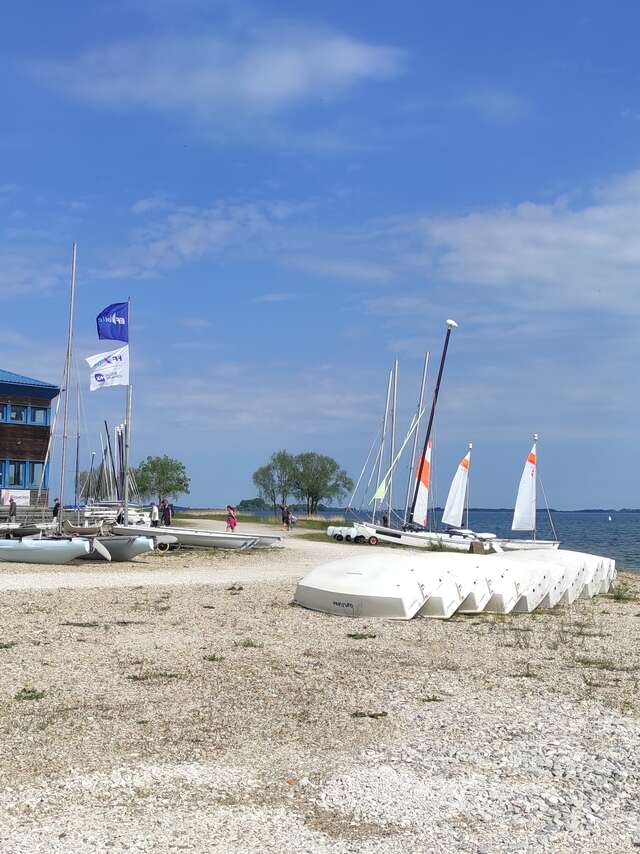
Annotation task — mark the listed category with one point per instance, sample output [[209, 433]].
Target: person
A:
[[120, 516], [284, 510], [155, 516], [385, 520], [56, 508], [167, 513], [163, 504], [12, 509], [232, 519]]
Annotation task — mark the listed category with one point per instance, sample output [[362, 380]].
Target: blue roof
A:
[[18, 379]]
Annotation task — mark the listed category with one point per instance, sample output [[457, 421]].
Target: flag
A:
[[381, 491], [113, 322], [110, 368]]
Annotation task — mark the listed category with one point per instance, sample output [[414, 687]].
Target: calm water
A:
[[585, 532]]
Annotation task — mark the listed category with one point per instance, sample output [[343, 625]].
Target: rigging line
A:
[[546, 504], [364, 467]]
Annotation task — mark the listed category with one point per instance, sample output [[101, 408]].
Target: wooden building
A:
[[25, 419]]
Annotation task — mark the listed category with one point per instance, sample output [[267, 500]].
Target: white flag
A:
[[110, 368]]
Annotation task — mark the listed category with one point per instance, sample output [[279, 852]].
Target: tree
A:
[[276, 479], [316, 477], [253, 505], [162, 476], [264, 479], [284, 472]]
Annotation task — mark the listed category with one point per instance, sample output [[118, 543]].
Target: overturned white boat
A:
[[43, 551]]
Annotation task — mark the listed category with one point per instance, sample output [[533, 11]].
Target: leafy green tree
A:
[[264, 478], [284, 473], [162, 476], [319, 477], [253, 505]]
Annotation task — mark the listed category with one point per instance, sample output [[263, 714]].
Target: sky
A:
[[295, 194]]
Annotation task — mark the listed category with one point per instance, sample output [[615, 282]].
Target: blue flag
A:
[[113, 322]]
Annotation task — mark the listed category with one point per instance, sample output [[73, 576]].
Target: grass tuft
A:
[[29, 693], [152, 675], [8, 644], [248, 643], [362, 635], [374, 715], [213, 657]]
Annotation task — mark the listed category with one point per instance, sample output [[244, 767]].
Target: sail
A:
[[454, 508], [421, 509], [524, 514]]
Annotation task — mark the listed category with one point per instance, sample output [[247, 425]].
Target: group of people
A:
[[161, 514], [288, 519]]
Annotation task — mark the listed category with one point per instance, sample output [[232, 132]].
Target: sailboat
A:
[[524, 514]]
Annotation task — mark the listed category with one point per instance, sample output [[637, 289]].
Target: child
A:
[[232, 520]]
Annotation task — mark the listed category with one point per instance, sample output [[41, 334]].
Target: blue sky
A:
[[295, 194]]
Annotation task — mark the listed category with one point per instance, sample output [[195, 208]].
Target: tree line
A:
[[310, 477]]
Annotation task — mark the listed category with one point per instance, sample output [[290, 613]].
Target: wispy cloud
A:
[[225, 80], [275, 297], [496, 105]]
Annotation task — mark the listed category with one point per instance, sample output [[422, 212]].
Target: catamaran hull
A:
[[123, 548], [190, 537], [43, 551], [416, 539], [526, 545]]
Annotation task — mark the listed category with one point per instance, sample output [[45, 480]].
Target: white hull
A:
[[516, 545], [418, 539], [124, 548], [43, 551], [191, 537]]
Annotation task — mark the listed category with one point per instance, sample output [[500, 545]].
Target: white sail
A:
[[421, 510], [524, 514], [454, 508]]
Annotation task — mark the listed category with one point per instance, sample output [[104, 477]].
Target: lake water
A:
[[585, 532]]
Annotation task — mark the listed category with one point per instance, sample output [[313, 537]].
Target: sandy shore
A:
[[178, 715]]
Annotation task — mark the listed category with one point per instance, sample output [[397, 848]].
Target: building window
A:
[[16, 473], [39, 415], [18, 414], [2, 412], [35, 473]]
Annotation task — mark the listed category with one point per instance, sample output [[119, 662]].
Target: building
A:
[[25, 419]]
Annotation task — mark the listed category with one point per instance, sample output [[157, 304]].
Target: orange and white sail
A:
[[524, 514], [454, 508], [421, 509]]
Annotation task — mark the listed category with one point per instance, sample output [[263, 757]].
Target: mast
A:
[[468, 482], [127, 425], [67, 372], [111, 459], [535, 491], [384, 435], [393, 440], [451, 324], [415, 438], [77, 477], [90, 478]]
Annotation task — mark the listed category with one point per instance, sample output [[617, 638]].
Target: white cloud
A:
[[547, 255], [217, 80], [496, 106]]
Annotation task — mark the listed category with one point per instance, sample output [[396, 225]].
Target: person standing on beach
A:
[[385, 520], [167, 514], [13, 509], [284, 511], [56, 508], [232, 519], [155, 516], [120, 516]]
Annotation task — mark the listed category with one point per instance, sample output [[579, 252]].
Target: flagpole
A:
[[451, 324], [127, 424], [67, 371]]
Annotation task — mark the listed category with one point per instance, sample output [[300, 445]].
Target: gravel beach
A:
[[147, 707]]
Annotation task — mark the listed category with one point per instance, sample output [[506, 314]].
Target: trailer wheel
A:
[[163, 547], [339, 538], [373, 541], [360, 539], [347, 537]]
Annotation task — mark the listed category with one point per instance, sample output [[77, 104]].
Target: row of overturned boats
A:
[[399, 586]]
